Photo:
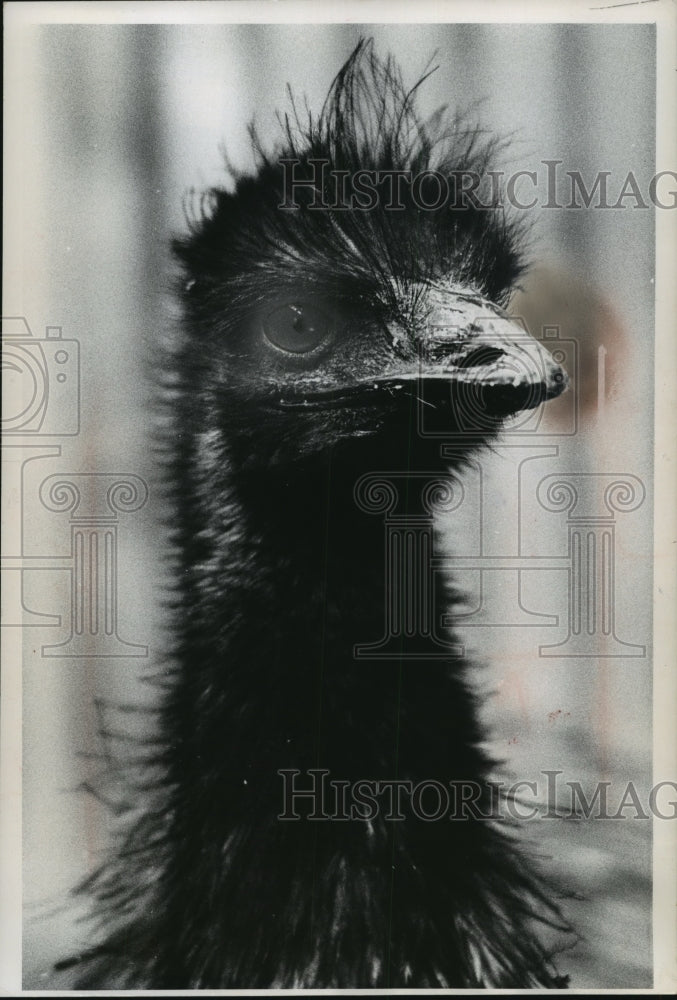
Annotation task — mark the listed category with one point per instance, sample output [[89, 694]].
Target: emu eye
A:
[[297, 328]]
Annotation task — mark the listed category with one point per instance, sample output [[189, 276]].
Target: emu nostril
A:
[[481, 356]]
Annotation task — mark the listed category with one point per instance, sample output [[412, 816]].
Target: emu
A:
[[312, 335]]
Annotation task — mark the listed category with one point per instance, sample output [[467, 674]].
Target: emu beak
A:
[[472, 346]]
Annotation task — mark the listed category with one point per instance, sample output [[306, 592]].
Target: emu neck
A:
[[282, 605], [269, 685], [311, 527]]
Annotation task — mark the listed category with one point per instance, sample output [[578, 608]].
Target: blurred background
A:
[[120, 123]]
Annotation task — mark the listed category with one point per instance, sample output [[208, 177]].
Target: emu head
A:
[[335, 291]]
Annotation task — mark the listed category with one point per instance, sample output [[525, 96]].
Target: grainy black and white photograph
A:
[[338, 450]]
